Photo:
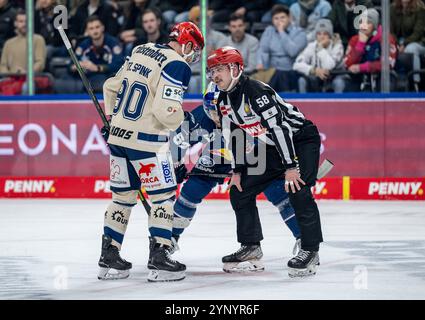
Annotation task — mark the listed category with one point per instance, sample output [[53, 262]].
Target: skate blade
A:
[[165, 276], [112, 274], [242, 267], [302, 273]]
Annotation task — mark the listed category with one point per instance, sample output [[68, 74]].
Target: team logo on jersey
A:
[[173, 93], [146, 169]]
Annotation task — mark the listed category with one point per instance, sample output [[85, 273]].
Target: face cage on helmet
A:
[[193, 56]]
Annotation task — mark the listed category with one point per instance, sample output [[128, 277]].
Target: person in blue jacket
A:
[[100, 55]]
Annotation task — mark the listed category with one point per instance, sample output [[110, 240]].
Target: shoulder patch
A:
[[172, 93]]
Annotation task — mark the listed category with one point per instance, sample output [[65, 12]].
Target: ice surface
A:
[[373, 250]]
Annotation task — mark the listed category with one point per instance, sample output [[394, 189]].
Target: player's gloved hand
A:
[[105, 133], [181, 172]]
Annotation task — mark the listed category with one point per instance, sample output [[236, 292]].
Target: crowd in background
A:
[[294, 45]]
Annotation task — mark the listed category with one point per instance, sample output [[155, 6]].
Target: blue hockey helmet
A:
[[210, 100]]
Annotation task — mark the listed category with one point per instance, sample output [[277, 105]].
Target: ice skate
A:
[[246, 259], [304, 264], [161, 267], [112, 266]]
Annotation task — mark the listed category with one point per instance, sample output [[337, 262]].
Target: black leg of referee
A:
[[244, 203], [307, 148]]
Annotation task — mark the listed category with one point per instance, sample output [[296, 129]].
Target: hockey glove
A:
[[181, 172], [105, 133]]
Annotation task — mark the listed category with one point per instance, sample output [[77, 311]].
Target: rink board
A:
[[344, 188], [55, 146]]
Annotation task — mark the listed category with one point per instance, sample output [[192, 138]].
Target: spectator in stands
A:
[[151, 28], [306, 13], [244, 42], [280, 44], [100, 56], [14, 55], [174, 11], [214, 39], [7, 18], [102, 9], [43, 25], [224, 8], [267, 17], [253, 10], [133, 17], [319, 59], [363, 57], [343, 17], [408, 26]]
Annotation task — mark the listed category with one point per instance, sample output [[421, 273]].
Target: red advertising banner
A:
[[326, 188], [387, 188], [91, 187], [363, 137]]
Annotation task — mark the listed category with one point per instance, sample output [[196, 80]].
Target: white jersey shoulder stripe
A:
[[172, 80]]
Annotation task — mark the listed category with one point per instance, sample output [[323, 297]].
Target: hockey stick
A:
[[89, 90], [324, 169]]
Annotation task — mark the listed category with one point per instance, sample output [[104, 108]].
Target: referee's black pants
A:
[[248, 225]]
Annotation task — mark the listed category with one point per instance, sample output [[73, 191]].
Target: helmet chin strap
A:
[[234, 79]]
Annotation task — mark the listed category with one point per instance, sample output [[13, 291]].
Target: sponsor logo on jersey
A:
[[254, 129], [31, 186], [269, 113], [157, 55], [172, 93], [146, 169], [225, 110], [166, 170], [115, 169], [121, 133], [247, 110], [395, 188], [161, 213], [149, 180], [118, 216]]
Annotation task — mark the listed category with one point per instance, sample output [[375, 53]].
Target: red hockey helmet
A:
[[185, 32], [225, 55]]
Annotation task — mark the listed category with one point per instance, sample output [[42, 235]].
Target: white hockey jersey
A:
[[145, 98]]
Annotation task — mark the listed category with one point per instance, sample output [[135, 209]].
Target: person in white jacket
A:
[[319, 59]]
